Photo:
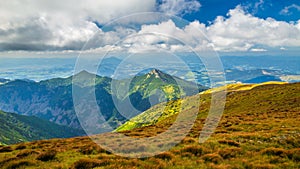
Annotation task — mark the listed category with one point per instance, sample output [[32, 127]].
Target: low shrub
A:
[[47, 156], [229, 152], [188, 141], [91, 149], [196, 150], [26, 153], [260, 166], [7, 160], [20, 147], [229, 142], [215, 158], [6, 149], [19, 164], [275, 152], [294, 154], [89, 163], [165, 156]]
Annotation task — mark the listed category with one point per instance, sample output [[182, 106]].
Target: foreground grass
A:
[[259, 129]]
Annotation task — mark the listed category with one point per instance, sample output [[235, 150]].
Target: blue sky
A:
[[235, 27], [210, 9]]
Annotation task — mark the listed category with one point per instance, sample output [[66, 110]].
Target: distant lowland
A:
[[245, 69]]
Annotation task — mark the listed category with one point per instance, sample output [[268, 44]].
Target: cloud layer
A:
[[55, 26], [239, 32]]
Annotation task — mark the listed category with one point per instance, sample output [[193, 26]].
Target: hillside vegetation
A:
[[259, 129], [162, 111], [16, 128]]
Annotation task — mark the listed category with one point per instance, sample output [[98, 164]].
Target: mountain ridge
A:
[[52, 99]]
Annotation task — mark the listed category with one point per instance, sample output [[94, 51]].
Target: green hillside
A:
[[172, 87], [16, 128], [259, 129], [160, 112]]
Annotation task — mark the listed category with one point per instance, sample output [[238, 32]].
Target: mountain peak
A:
[[83, 72], [155, 72]]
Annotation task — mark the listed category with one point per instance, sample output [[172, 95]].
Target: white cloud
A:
[[45, 25], [282, 48], [237, 33], [68, 10], [286, 10], [58, 25], [258, 50], [257, 6], [242, 31], [167, 36], [179, 7]]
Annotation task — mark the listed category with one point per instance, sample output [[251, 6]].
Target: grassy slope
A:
[[259, 129], [17, 128], [160, 112]]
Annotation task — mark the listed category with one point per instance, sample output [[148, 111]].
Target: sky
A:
[[241, 27]]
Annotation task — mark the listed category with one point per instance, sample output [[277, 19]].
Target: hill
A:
[[259, 129], [52, 99], [160, 112], [17, 128]]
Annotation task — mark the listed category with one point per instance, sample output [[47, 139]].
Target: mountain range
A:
[[52, 99]]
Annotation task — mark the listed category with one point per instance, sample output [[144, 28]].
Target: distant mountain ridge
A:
[[52, 99]]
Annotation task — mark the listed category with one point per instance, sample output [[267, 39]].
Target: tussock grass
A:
[[26, 153], [89, 163], [228, 153], [214, 158], [20, 164], [196, 150], [47, 156], [229, 142], [6, 149], [165, 156]]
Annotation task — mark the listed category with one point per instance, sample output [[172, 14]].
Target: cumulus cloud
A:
[[165, 35], [242, 31], [41, 34], [59, 25], [179, 7], [68, 10]]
